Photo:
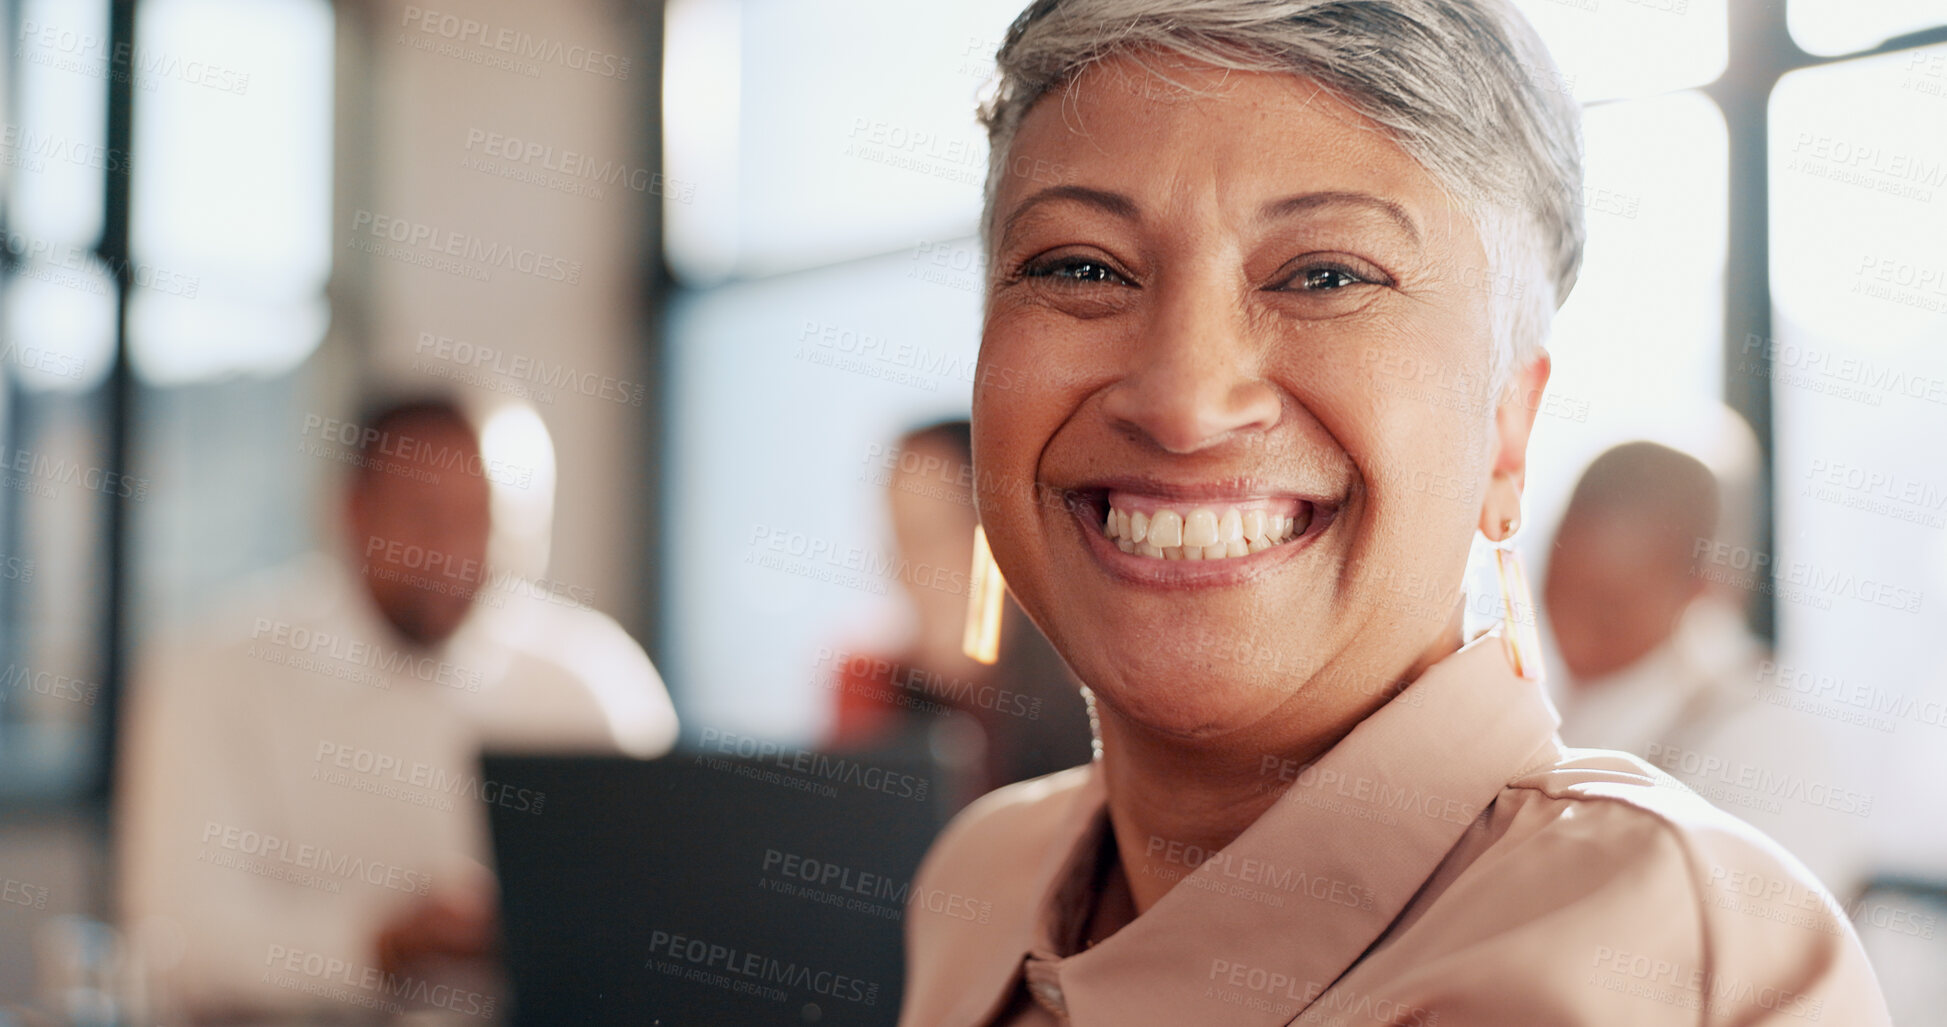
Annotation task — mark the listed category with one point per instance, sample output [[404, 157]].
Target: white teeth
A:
[[1204, 533], [1231, 527], [1166, 528], [1200, 528]]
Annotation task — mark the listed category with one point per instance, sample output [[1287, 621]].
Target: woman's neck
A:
[[1174, 804]]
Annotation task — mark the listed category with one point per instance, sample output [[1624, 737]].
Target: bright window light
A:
[[1833, 27], [57, 146], [1608, 49], [819, 154], [231, 202]]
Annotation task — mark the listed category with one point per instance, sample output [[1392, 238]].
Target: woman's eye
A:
[[1325, 279], [1080, 270]]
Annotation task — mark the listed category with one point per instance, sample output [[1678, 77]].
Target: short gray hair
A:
[[1465, 87]]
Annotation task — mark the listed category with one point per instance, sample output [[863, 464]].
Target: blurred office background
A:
[[224, 223]]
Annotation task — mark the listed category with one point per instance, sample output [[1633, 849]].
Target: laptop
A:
[[707, 887]]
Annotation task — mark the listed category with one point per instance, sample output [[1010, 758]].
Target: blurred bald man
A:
[[1659, 662], [1630, 531], [302, 825]]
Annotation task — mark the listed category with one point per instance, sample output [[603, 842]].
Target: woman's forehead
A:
[[1163, 134]]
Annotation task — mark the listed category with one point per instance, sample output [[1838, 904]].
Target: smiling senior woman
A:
[[1240, 254]]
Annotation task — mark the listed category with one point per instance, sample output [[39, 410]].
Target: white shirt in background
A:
[[294, 775]]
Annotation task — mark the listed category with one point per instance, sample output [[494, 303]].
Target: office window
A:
[[1859, 376], [57, 313], [225, 172], [1835, 27], [1636, 348], [1609, 49]]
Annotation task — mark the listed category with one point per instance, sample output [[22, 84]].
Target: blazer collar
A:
[[1033, 900], [1267, 924]]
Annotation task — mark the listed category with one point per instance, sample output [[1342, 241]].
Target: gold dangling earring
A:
[[985, 587], [1518, 635]]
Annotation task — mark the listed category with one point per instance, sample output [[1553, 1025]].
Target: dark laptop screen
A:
[[707, 888]]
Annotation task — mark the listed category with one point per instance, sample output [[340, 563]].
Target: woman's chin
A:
[[1210, 710]]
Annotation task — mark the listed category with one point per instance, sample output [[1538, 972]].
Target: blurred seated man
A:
[[1659, 661], [302, 825]]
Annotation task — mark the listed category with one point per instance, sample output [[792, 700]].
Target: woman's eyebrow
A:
[[1111, 203], [1305, 203]]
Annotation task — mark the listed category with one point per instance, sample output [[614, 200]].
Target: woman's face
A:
[[1253, 328]]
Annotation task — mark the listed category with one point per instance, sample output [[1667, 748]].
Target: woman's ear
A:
[[1514, 421]]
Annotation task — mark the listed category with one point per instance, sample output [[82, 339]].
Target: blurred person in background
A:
[[302, 812], [1658, 661], [1023, 716]]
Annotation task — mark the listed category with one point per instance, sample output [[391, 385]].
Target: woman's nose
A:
[[1195, 378]]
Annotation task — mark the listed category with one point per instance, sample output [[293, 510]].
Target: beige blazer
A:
[[1448, 862]]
